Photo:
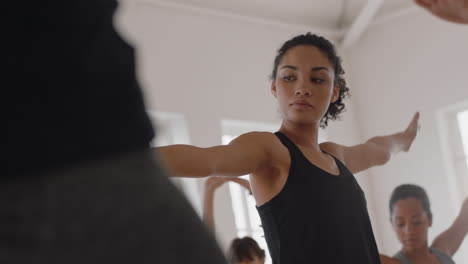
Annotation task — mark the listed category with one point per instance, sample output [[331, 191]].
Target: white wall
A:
[[416, 62], [210, 68]]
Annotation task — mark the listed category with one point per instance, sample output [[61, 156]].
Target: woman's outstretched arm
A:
[[244, 155], [375, 151], [450, 240], [211, 185]]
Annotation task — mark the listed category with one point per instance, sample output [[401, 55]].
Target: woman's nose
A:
[[302, 89], [299, 92], [408, 229]]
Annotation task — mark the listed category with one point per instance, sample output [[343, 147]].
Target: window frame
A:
[[453, 153]]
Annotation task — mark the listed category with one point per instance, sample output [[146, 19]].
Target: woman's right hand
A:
[[451, 10]]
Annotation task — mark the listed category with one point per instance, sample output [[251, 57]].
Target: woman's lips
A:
[[301, 104]]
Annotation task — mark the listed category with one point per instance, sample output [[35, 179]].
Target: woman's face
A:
[[410, 222], [304, 85]]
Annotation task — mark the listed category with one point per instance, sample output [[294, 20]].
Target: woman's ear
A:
[[273, 88], [335, 95]]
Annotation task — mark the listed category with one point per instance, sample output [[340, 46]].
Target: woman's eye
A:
[[417, 223], [288, 78], [400, 225], [317, 80]]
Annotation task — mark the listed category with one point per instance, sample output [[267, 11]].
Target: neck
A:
[[301, 134]]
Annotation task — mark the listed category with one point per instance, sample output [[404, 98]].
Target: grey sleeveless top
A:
[[443, 258]]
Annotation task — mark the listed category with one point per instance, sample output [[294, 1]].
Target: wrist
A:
[[403, 140], [209, 193]]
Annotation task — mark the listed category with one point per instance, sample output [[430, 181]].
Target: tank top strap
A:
[[344, 171], [444, 258], [402, 258], [286, 141], [298, 157], [294, 151]]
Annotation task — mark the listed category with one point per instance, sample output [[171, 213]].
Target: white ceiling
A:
[[346, 19], [329, 14], [320, 13]]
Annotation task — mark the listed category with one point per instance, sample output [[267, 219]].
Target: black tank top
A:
[[318, 217]]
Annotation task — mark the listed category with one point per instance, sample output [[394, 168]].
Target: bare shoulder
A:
[[266, 141], [256, 135], [334, 149], [256, 139]]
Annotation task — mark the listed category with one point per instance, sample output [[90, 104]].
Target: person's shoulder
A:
[[258, 136], [267, 141]]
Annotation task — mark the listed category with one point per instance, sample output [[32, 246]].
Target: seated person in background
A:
[[242, 250], [411, 217]]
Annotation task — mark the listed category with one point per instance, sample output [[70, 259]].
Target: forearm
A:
[[390, 144], [450, 240], [385, 146], [185, 161], [459, 229], [208, 216]]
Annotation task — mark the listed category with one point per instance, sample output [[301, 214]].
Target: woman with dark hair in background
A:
[[411, 217]]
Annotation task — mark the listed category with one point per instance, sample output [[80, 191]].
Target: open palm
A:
[[450, 10], [410, 132]]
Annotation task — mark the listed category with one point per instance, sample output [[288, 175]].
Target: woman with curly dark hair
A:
[[311, 207]]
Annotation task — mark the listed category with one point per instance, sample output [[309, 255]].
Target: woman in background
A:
[[411, 217]]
